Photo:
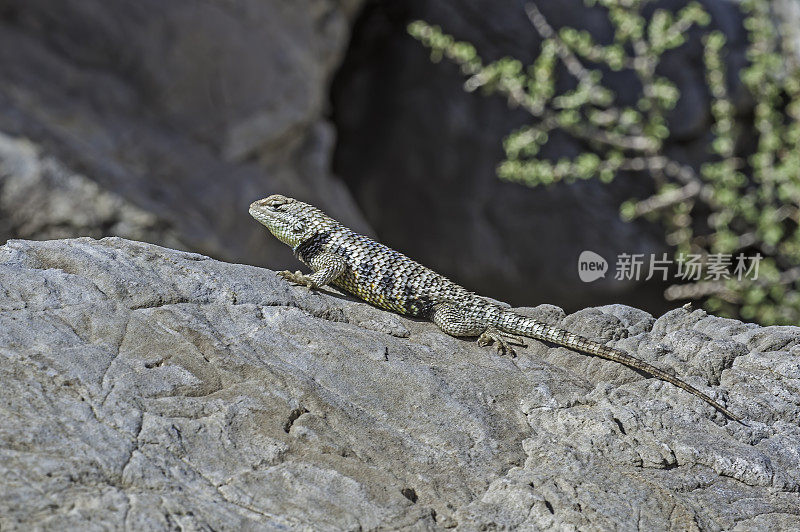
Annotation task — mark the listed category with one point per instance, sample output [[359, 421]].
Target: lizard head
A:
[[291, 221]]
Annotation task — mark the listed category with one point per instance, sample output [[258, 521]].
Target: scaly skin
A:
[[388, 279]]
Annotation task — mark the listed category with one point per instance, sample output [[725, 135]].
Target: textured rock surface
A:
[[154, 388], [40, 198], [188, 109]]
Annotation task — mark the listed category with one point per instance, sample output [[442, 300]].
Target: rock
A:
[[188, 110], [40, 198], [149, 388]]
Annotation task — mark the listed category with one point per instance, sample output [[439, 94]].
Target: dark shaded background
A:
[[163, 121]]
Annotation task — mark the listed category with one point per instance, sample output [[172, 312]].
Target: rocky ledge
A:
[[148, 388]]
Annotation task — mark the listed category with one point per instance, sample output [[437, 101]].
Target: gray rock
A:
[[42, 199], [188, 110], [149, 388]]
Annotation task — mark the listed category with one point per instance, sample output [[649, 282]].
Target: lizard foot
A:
[[298, 278], [502, 341]]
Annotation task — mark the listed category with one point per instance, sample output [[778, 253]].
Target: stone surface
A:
[[148, 388], [188, 109], [40, 198]]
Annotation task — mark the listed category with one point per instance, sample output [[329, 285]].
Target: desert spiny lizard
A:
[[388, 279]]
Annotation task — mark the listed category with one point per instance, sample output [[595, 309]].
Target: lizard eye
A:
[[277, 202]]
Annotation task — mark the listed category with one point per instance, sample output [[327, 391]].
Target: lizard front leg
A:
[[327, 267], [452, 320]]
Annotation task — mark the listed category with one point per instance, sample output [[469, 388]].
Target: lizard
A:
[[390, 280]]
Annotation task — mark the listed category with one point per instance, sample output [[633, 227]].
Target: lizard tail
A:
[[515, 324]]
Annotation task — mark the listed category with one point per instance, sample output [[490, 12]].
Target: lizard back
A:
[[380, 275]]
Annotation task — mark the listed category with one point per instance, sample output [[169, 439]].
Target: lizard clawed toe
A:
[[503, 342], [513, 339], [297, 278]]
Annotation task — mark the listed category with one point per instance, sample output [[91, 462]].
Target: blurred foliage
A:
[[745, 202]]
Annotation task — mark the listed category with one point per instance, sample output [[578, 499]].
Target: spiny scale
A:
[[390, 280], [373, 274]]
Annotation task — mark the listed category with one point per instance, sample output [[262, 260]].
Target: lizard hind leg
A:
[[453, 320], [503, 341]]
